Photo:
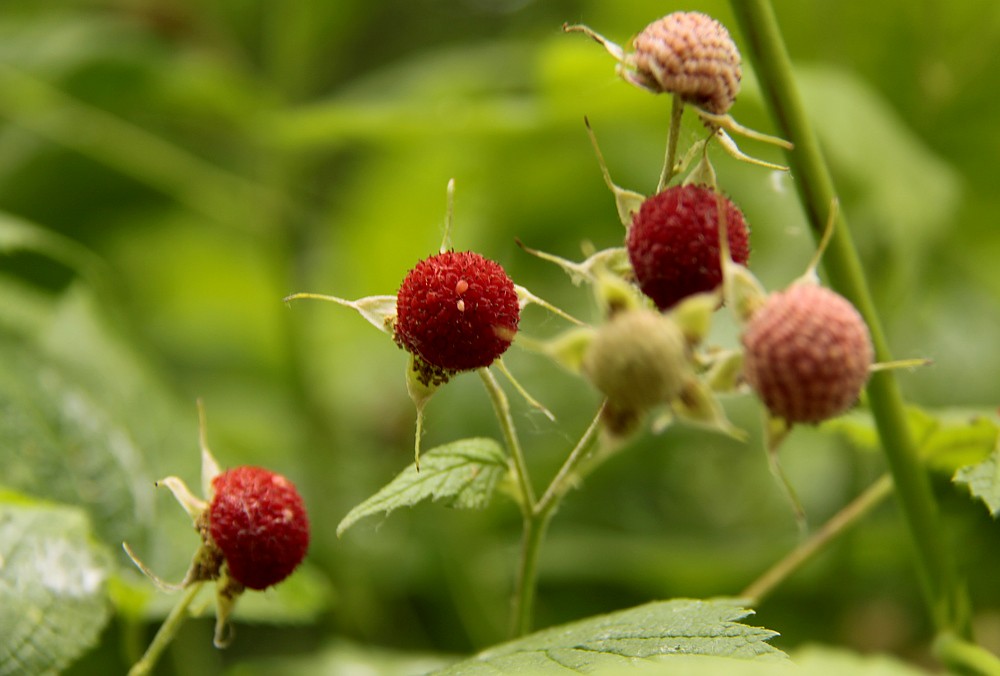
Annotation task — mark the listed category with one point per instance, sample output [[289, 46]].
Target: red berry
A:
[[258, 520], [456, 311], [808, 354], [673, 243]]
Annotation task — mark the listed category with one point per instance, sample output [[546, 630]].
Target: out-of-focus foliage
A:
[[171, 169]]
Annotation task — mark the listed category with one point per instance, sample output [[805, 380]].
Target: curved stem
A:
[[946, 596], [165, 634]]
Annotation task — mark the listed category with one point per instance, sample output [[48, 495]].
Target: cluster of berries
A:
[[806, 352]]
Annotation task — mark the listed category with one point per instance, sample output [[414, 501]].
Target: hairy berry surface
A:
[[258, 520], [673, 242], [808, 354], [457, 311], [691, 55]]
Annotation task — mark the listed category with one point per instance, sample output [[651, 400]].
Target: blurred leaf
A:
[[677, 627], [343, 659], [904, 188], [46, 110], [299, 600], [53, 603], [463, 474], [958, 443], [983, 481], [815, 660], [17, 234], [58, 441], [947, 439]]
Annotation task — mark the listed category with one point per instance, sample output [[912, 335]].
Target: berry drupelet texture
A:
[[258, 521], [808, 354], [691, 55], [456, 311], [673, 242]]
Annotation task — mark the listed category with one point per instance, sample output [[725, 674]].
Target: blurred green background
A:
[[171, 169]]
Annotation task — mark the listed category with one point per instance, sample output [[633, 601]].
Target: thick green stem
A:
[[945, 595], [166, 632]]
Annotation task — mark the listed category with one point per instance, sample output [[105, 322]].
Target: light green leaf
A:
[[946, 439], [608, 642], [53, 603], [815, 660], [462, 474], [983, 481]]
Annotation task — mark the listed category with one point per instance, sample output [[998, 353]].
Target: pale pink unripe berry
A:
[[808, 354], [691, 55]]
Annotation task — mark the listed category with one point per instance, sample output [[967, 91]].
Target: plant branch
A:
[[501, 407], [535, 526], [945, 595], [165, 634], [760, 588]]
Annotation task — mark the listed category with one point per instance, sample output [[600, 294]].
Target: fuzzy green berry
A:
[[808, 354], [638, 359]]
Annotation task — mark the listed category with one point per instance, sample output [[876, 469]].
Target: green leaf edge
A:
[[435, 467]]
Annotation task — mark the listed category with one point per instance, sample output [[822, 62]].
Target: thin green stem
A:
[[676, 115], [165, 634], [501, 407], [564, 478], [760, 588], [526, 587], [945, 595], [535, 526]]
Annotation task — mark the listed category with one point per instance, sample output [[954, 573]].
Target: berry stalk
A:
[[945, 595], [165, 634]]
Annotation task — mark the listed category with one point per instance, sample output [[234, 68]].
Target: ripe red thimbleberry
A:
[[673, 242], [455, 312], [258, 521], [807, 354]]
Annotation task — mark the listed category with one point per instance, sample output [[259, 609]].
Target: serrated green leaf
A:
[[983, 480], [53, 601], [647, 632], [462, 474]]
